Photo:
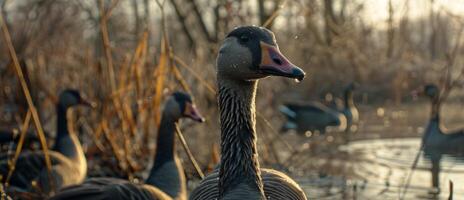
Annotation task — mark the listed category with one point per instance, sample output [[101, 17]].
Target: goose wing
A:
[[208, 188], [110, 189], [311, 106], [291, 110], [456, 134]]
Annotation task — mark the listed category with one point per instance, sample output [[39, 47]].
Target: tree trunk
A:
[[330, 20], [391, 31]]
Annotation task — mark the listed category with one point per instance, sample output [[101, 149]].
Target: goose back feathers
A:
[[311, 117]]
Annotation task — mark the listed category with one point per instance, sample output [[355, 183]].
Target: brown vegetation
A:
[[127, 54]]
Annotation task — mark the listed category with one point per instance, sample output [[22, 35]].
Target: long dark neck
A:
[[434, 122], [348, 101], [62, 132], [165, 145], [239, 155], [66, 143], [435, 112]]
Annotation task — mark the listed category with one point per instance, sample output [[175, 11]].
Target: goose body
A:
[[68, 161], [276, 185], [247, 54], [111, 189], [436, 139], [311, 116], [166, 180]]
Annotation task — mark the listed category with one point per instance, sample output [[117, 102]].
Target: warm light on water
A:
[[380, 168]]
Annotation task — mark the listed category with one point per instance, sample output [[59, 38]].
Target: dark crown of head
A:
[[182, 97], [253, 32], [431, 87], [72, 92]]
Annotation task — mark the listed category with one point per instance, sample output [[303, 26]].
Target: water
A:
[[377, 169]]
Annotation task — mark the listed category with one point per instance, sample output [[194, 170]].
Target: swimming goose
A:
[[247, 54], [313, 116], [69, 165], [166, 179], [437, 139]]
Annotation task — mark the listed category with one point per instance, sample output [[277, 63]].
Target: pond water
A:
[[378, 169]]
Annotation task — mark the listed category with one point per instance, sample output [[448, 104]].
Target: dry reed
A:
[[22, 136], [27, 94]]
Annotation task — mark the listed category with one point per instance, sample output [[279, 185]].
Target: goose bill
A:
[[273, 62], [192, 112], [87, 103]]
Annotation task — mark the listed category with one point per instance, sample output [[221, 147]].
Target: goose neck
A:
[[348, 101], [435, 112], [62, 123], [165, 143], [239, 155], [68, 144], [64, 141]]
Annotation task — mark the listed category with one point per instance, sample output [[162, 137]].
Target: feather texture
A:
[[276, 186]]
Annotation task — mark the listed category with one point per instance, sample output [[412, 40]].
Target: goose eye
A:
[[244, 38]]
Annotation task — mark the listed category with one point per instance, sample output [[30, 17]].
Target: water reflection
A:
[[379, 169]]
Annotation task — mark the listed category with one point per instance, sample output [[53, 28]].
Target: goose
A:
[[345, 106], [312, 116], [166, 179], [247, 54], [68, 161], [349, 108], [436, 138]]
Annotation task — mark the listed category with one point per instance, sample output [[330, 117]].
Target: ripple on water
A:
[[380, 169]]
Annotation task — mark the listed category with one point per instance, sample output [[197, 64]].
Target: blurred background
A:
[[127, 55]]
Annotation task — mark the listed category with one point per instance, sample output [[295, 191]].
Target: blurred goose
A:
[[312, 116], [247, 54], [349, 109], [345, 106], [166, 179], [437, 139], [69, 165]]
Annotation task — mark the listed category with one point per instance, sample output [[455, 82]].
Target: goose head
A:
[[69, 98], [352, 86], [250, 53], [431, 91], [180, 105]]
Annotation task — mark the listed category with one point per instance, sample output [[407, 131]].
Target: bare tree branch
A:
[[203, 27], [182, 21]]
